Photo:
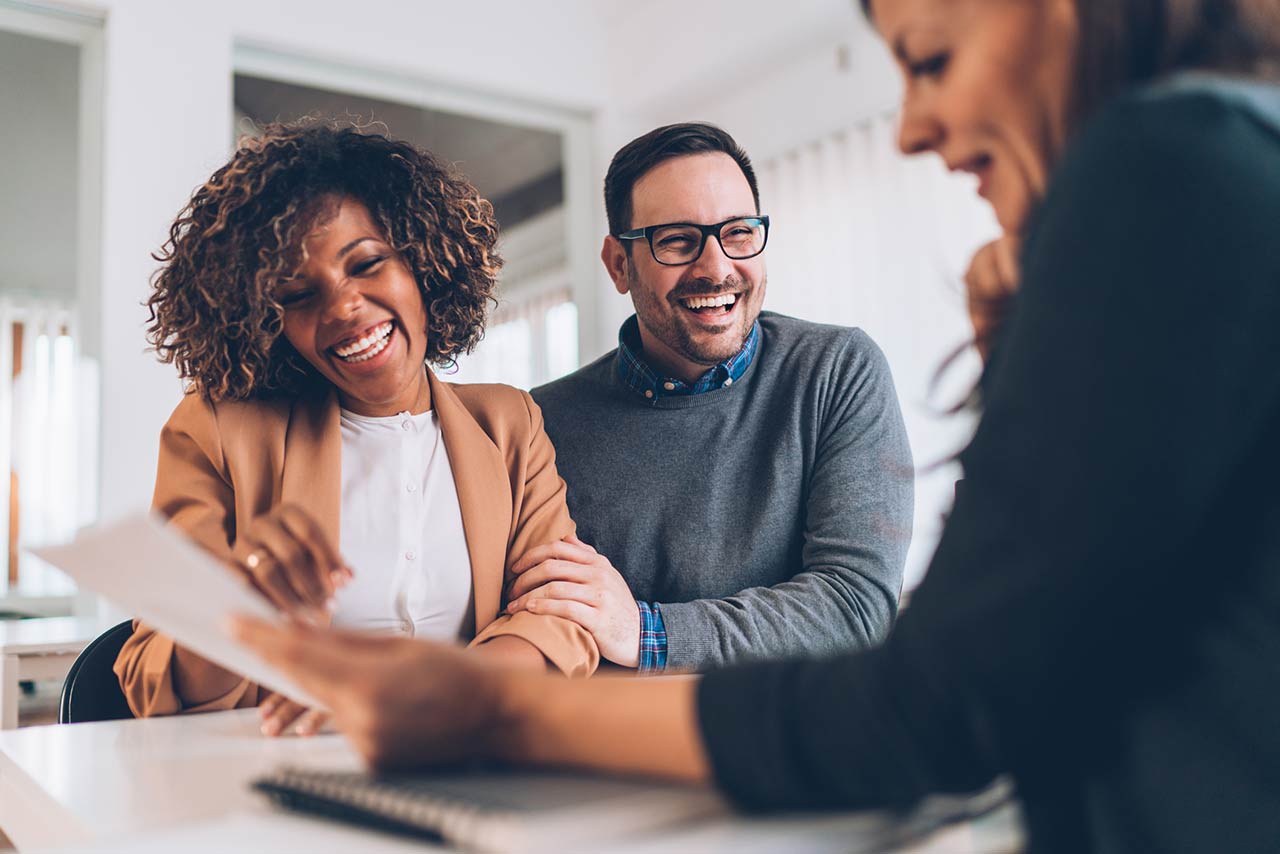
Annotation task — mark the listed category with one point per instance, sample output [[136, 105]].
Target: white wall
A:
[[39, 103], [546, 51], [167, 109]]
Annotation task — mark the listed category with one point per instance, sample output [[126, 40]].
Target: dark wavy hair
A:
[[213, 311], [634, 160]]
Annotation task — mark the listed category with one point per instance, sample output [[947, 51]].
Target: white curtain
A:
[[862, 236], [48, 439], [530, 338]]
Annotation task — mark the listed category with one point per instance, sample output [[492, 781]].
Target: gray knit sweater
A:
[[767, 519]]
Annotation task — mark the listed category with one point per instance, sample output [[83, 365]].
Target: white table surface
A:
[[49, 635], [181, 784], [38, 649]]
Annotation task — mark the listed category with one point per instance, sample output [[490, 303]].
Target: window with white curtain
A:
[[561, 345], [530, 338], [48, 441], [864, 236]]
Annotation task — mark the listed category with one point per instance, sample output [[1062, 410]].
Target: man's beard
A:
[[664, 321]]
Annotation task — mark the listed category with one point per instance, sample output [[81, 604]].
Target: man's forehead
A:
[[705, 188]]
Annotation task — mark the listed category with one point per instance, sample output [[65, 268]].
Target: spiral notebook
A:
[[491, 810]]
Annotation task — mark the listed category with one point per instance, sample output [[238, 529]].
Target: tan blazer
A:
[[222, 465]]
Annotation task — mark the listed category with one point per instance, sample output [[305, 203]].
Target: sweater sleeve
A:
[[1135, 384], [857, 525], [194, 495]]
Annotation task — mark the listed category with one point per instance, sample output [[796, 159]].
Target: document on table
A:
[[156, 573]]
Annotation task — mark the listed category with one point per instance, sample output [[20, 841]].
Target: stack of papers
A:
[[151, 570]]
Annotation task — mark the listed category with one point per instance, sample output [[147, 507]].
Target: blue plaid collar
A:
[[634, 372]]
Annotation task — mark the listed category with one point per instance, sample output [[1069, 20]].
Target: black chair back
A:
[[91, 691]]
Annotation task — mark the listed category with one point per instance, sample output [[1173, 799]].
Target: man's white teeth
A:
[[710, 302], [367, 347]]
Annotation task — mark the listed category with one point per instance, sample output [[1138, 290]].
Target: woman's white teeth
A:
[[710, 302], [367, 347]]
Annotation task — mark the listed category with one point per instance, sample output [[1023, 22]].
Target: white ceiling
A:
[[678, 49]]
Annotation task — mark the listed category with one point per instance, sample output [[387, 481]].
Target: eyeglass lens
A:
[[680, 244]]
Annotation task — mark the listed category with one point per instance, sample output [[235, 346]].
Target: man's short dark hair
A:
[[637, 157]]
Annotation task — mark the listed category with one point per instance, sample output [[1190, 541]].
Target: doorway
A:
[[50, 200]]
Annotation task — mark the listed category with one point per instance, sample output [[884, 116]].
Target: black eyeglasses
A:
[[676, 243]]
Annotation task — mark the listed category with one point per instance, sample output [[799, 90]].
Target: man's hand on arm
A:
[[572, 580]]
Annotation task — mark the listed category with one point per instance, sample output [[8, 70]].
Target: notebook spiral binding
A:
[[385, 804]]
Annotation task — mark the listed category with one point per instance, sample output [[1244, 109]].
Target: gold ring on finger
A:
[[255, 559]]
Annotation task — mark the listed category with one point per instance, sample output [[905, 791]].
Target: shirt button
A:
[[413, 487], [648, 392], [669, 386], [728, 382], [406, 425], [409, 555]]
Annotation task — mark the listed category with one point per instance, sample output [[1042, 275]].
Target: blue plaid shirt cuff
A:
[[653, 639]]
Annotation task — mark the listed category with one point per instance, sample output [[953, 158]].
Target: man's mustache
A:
[[706, 287]]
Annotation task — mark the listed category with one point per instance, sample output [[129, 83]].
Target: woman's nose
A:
[[919, 130], [343, 301]]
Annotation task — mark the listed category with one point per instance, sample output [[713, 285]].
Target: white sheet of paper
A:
[[152, 571]]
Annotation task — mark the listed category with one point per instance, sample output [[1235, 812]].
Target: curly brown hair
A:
[[213, 311]]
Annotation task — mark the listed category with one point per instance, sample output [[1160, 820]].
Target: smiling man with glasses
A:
[[743, 479]]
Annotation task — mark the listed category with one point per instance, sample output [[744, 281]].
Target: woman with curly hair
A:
[[305, 289]]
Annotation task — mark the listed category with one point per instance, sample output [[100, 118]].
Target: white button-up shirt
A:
[[401, 530]]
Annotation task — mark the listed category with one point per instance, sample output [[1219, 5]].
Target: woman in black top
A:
[[1102, 617]]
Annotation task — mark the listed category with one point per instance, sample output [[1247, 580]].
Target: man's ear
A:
[[614, 256]]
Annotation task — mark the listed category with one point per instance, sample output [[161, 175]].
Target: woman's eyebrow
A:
[[899, 42], [353, 244]]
